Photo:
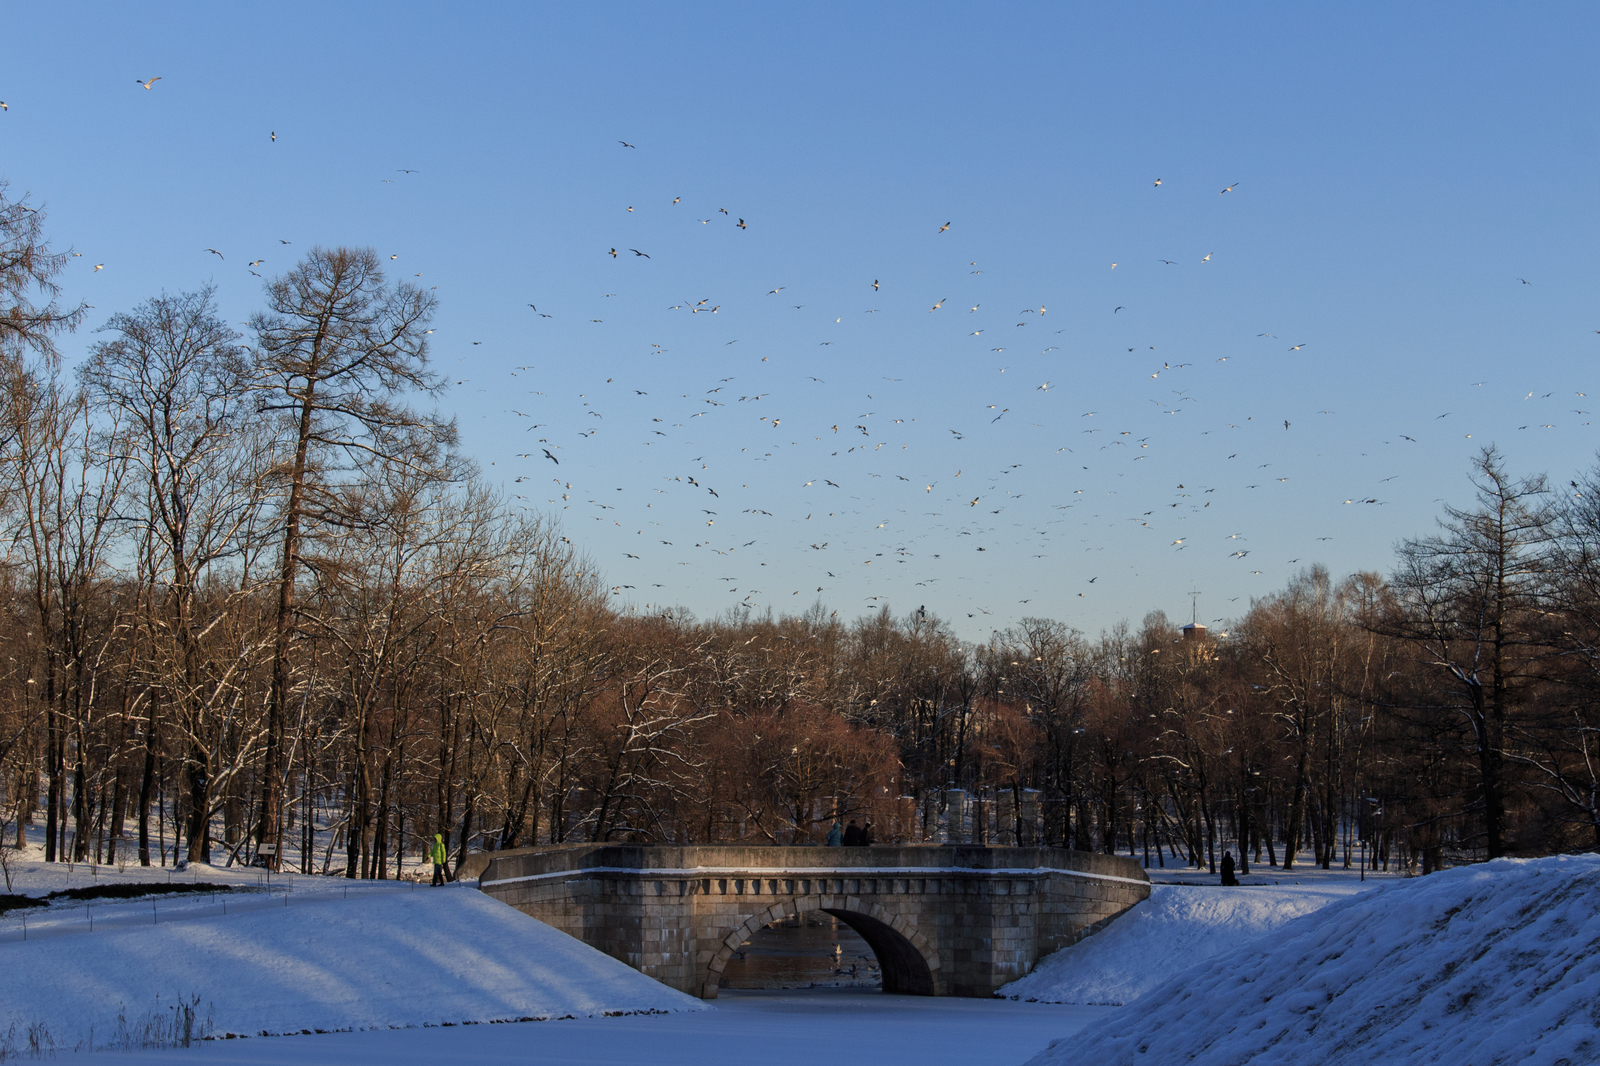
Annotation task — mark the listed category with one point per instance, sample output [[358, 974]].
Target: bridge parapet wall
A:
[[944, 920]]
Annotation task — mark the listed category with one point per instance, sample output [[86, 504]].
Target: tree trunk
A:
[[146, 783], [53, 768], [199, 804], [1296, 813]]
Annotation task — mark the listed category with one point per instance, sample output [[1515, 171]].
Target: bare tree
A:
[[172, 382], [1565, 759], [337, 350], [1297, 641], [68, 497], [1467, 606], [554, 647], [28, 269]]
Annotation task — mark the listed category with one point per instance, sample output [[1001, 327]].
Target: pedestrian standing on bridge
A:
[[439, 856], [867, 837], [835, 835], [852, 835]]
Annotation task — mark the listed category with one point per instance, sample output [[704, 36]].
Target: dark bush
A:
[[129, 891], [13, 902]]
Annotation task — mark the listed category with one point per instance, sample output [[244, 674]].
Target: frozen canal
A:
[[773, 1028]]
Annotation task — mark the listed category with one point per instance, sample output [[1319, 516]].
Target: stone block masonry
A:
[[943, 921]]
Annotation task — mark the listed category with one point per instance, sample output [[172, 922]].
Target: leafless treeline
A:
[[254, 602]]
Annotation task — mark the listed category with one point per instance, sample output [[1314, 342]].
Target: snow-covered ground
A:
[[1482, 965], [298, 961], [31, 875], [1188, 919], [1176, 928], [1305, 873], [1497, 963]]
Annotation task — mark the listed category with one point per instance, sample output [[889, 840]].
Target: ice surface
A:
[[765, 1028], [1490, 964]]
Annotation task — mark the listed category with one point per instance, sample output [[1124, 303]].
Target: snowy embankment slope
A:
[[1490, 964], [446, 956], [1176, 928]]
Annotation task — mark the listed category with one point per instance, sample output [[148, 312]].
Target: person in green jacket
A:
[[439, 856]]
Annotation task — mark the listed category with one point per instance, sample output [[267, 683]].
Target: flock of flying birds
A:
[[881, 517], [923, 520]]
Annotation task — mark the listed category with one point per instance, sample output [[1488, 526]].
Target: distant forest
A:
[[256, 604]]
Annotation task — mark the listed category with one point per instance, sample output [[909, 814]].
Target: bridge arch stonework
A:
[[947, 920]]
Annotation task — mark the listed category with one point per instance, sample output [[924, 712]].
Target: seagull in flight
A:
[[941, 228], [147, 84], [216, 253], [1229, 188], [625, 144]]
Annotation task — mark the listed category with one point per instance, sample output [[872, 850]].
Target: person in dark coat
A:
[[1227, 869], [852, 835], [867, 839]]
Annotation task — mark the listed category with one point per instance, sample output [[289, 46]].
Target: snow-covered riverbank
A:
[[1178, 927], [308, 962], [1498, 963]]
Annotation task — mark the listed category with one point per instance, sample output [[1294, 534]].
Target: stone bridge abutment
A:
[[942, 920]]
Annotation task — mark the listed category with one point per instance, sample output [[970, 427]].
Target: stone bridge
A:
[[946, 920]]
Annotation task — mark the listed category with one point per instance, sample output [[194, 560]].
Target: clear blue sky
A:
[[1398, 169]]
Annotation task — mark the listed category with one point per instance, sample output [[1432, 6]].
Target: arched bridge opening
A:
[[908, 962], [904, 966]]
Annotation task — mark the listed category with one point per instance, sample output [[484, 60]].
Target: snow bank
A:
[[447, 956], [1177, 927], [1490, 964]]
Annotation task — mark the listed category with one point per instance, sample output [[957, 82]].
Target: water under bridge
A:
[[948, 920]]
